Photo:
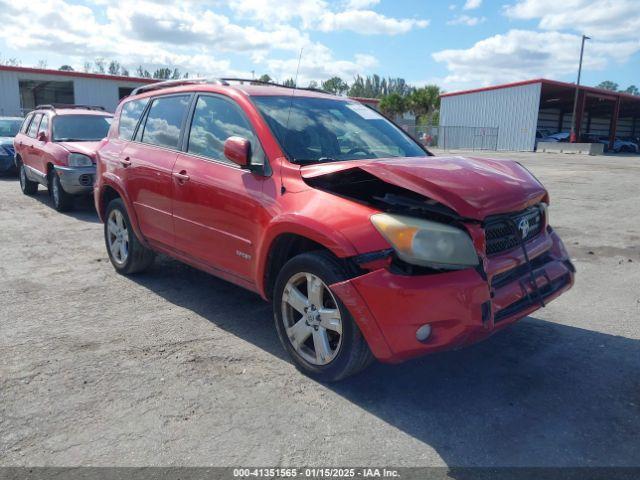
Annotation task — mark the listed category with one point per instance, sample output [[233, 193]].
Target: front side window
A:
[[130, 116], [311, 130], [215, 119], [9, 127], [164, 120], [33, 127], [80, 128]]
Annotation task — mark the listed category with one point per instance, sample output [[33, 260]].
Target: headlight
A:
[[79, 160], [427, 243]]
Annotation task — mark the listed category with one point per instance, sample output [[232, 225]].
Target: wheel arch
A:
[[290, 239]]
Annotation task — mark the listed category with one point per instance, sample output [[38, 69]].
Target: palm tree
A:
[[425, 101]]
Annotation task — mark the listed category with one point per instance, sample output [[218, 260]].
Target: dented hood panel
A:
[[473, 187]]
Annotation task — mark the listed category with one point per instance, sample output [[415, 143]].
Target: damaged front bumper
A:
[[461, 307]]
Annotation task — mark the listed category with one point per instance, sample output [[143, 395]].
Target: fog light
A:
[[423, 333]]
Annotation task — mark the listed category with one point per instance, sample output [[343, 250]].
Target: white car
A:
[[620, 145]]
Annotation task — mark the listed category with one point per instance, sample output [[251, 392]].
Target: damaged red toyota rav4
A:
[[366, 244]]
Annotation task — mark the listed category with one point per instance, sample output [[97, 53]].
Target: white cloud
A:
[[523, 54], [360, 4], [367, 22], [472, 4], [601, 19], [318, 15], [195, 37], [466, 20]]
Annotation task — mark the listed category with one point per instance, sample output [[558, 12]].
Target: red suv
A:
[[366, 244], [56, 148]]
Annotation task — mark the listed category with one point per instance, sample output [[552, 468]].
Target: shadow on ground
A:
[[537, 394], [83, 206]]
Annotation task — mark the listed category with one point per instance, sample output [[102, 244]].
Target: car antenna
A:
[[286, 130]]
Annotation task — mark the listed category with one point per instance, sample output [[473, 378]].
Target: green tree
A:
[[265, 78], [289, 82], [608, 85], [335, 85], [633, 90], [424, 101], [312, 84], [162, 73], [114, 67], [66, 68], [99, 65], [393, 104]]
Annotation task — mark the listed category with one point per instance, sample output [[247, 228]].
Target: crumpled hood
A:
[[86, 148], [473, 187]]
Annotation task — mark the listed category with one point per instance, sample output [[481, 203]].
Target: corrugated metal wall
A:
[[91, 91], [513, 110]]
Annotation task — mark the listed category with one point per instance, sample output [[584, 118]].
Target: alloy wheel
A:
[[311, 318], [118, 237]]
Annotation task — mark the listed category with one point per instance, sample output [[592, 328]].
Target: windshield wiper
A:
[[309, 161]]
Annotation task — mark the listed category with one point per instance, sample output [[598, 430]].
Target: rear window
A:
[[130, 116], [80, 128], [164, 121]]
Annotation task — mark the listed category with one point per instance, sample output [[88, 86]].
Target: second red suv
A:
[[56, 148], [366, 244]]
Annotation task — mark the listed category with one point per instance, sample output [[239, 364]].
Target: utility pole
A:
[[572, 137]]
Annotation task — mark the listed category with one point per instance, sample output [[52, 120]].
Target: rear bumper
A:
[[461, 307], [76, 180]]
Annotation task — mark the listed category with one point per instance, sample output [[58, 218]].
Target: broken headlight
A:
[[426, 243]]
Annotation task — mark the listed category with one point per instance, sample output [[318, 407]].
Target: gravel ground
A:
[[175, 367]]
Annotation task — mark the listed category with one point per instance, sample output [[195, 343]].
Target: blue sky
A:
[[456, 44]]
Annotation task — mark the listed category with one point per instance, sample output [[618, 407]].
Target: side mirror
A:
[[238, 150], [42, 136]]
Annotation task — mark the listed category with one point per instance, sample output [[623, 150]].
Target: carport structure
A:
[[600, 112], [522, 111]]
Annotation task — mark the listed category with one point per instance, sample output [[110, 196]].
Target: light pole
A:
[[572, 137]]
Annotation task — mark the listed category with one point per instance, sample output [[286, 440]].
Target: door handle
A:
[[181, 176], [125, 162]]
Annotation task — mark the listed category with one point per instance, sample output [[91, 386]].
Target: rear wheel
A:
[[126, 253], [62, 201], [314, 326], [27, 186]]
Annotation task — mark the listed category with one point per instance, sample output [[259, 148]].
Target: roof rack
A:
[[53, 106], [219, 81]]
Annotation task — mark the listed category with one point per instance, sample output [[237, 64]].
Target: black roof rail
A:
[[219, 81], [53, 106], [273, 84], [173, 83]]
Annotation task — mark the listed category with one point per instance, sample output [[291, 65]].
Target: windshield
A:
[[323, 130], [80, 128], [9, 127]]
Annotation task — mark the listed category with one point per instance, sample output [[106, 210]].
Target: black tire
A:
[[27, 186], [62, 201], [139, 257], [353, 354]]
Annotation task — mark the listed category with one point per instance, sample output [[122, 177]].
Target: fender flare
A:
[[295, 224], [112, 181]]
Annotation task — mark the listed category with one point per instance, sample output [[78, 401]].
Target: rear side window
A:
[[164, 121], [214, 120], [129, 117], [33, 128], [44, 124], [26, 122]]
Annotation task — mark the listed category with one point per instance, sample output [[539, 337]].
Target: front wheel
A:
[[314, 326], [27, 186], [62, 201], [126, 253]]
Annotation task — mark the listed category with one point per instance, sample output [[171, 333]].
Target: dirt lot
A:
[[175, 367]]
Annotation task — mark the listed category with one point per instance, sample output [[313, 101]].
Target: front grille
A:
[[499, 231], [504, 278]]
